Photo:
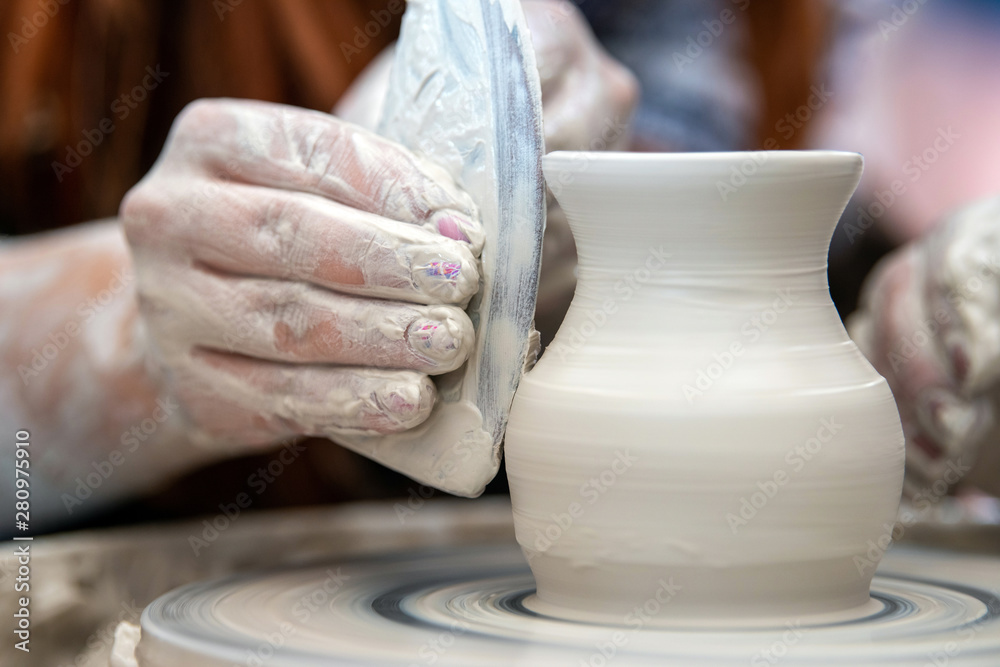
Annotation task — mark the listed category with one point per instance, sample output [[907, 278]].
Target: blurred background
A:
[[89, 89]]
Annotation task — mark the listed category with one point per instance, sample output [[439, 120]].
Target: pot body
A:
[[702, 442]]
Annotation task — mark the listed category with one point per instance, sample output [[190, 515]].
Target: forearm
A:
[[72, 353]]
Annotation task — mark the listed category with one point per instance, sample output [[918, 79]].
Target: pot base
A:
[[475, 606], [821, 591]]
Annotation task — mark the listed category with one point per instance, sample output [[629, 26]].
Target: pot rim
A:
[[565, 167], [618, 157]]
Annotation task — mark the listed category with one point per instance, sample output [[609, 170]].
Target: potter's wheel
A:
[[475, 605]]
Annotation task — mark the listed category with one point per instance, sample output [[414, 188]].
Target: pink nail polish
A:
[[448, 227], [442, 269]]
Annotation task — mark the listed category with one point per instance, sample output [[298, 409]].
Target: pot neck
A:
[[740, 259], [707, 223]]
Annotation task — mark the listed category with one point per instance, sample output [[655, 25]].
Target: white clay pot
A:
[[702, 442]]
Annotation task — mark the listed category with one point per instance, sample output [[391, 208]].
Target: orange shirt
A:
[[89, 88]]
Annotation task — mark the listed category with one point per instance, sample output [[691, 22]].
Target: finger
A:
[[296, 149], [906, 354], [242, 396], [587, 96], [590, 108], [942, 428], [963, 290], [943, 442], [295, 236], [294, 322], [556, 29]]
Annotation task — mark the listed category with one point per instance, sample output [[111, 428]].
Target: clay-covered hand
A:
[[298, 275], [587, 96], [930, 323]]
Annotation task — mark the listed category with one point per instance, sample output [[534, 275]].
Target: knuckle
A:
[[203, 135], [279, 236], [317, 144], [622, 84], [144, 212], [628, 86], [279, 301], [130, 210], [380, 176], [199, 115]]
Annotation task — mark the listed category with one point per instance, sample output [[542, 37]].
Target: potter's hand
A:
[[587, 96], [930, 323], [298, 275]]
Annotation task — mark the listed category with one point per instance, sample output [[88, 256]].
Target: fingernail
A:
[[457, 226], [448, 227], [447, 279], [440, 341], [443, 269], [406, 404]]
